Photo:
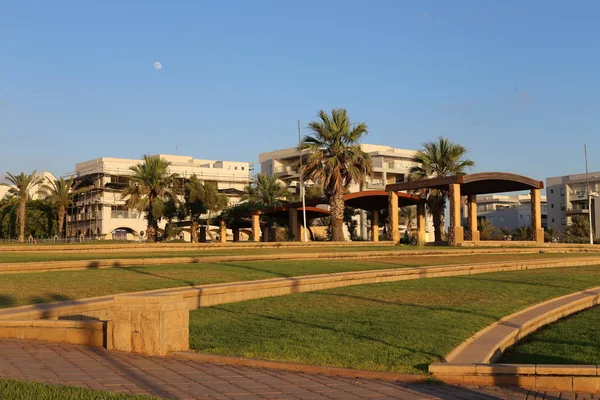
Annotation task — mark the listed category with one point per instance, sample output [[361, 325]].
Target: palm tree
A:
[[522, 233], [266, 190], [408, 215], [550, 234], [335, 160], [22, 184], [487, 230], [60, 192], [149, 187], [437, 159]]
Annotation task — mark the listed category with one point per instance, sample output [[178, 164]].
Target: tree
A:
[[550, 234], [522, 233], [149, 187], [212, 200], [22, 184], [579, 230], [60, 193], [266, 190], [437, 159], [193, 206], [487, 231], [335, 160], [408, 215]]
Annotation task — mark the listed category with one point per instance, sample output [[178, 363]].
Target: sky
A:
[[515, 82]]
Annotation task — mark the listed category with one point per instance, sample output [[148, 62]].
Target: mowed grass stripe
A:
[[34, 288], [573, 340], [397, 327]]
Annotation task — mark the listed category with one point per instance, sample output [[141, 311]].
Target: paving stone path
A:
[[183, 379]]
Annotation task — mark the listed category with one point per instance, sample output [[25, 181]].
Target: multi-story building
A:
[[390, 165], [36, 192], [100, 210], [507, 211], [568, 196]]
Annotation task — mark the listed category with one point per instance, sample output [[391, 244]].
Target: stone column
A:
[[472, 216], [421, 235], [256, 227], [375, 225], [294, 226], [537, 232], [455, 231], [393, 216], [236, 234], [222, 231], [149, 324]]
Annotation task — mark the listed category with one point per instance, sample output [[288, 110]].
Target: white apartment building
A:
[[100, 210], [36, 192], [507, 211], [391, 165], [568, 196]]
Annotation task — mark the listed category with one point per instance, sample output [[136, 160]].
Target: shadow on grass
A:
[[6, 301], [137, 270], [255, 269]]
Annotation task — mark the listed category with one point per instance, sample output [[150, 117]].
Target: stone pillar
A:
[[265, 234], [202, 236], [421, 235], [472, 217], [455, 231], [393, 216], [375, 225], [149, 324], [294, 226], [256, 227], [537, 232], [222, 231]]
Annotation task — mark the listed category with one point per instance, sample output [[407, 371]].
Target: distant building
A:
[[391, 165], [100, 210], [35, 192], [568, 197], [507, 211]]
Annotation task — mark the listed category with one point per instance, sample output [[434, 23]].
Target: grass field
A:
[[43, 287], [401, 327], [11, 389], [573, 340]]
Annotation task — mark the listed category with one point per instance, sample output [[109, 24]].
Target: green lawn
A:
[[401, 326], [11, 389], [27, 256], [573, 340], [43, 287]]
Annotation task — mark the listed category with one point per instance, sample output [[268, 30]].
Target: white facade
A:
[[507, 211], [390, 165], [35, 192], [100, 210], [568, 196]]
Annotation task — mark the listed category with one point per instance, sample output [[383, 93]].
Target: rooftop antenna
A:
[[302, 185]]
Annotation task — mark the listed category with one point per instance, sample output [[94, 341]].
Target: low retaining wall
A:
[[472, 361], [73, 332], [74, 265]]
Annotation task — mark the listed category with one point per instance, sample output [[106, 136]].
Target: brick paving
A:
[[184, 379]]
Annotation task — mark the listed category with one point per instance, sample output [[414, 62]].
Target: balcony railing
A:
[[284, 170], [123, 214]]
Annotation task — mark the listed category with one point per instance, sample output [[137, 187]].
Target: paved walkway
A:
[[183, 379]]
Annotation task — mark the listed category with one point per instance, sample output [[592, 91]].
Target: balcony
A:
[[284, 170], [376, 184], [124, 214], [577, 209]]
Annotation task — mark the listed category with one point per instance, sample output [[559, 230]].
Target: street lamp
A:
[[590, 195]]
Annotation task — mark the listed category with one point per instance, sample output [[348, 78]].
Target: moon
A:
[[157, 66]]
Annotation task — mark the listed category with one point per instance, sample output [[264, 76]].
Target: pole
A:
[[302, 185], [589, 195]]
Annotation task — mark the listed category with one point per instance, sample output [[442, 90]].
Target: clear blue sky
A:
[[514, 81]]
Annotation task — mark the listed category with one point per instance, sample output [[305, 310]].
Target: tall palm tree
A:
[[149, 187], [439, 158], [266, 190], [335, 160], [408, 215], [22, 184], [60, 192]]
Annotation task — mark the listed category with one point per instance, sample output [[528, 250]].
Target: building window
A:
[[562, 191], [563, 221], [551, 191], [563, 207], [399, 178], [243, 168], [552, 220], [235, 168], [501, 220], [552, 205]]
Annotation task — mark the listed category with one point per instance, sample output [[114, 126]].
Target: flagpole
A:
[[302, 185]]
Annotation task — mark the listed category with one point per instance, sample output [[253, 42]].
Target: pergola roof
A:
[[378, 200], [473, 184]]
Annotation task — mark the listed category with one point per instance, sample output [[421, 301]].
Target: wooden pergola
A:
[[471, 185]]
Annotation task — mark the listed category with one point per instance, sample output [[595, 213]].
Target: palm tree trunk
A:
[[438, 225], [151, 230], [194, 231], [336, 222], [22, 204], [61, 220]]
